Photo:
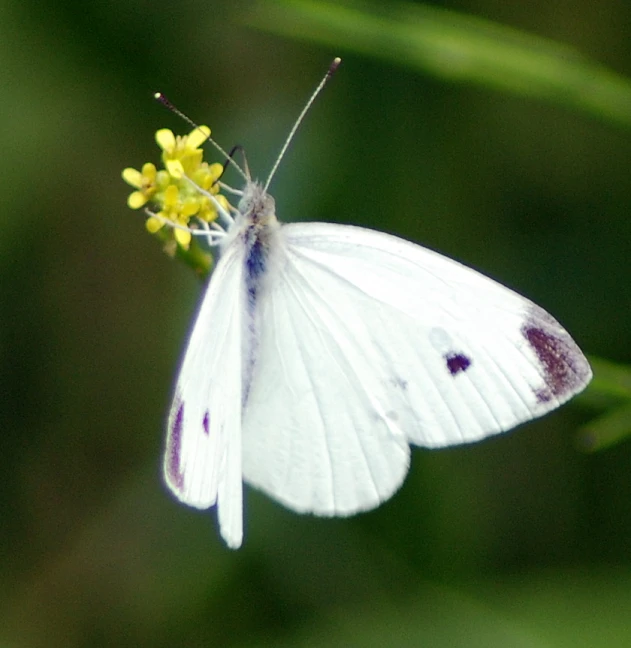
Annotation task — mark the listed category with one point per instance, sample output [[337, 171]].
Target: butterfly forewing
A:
[[202, 463], [368, 340]]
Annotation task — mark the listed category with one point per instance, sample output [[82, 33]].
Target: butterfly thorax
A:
[[254, 227], [255, 221]]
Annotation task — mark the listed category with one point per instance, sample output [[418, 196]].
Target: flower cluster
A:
[[170, 190]]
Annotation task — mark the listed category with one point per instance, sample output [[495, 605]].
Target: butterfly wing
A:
[[202, 463], [369, 342]]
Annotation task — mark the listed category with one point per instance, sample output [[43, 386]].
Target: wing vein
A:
[[352, 373]]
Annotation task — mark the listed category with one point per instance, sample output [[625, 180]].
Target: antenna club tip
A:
[[335, 64], [160, 98]]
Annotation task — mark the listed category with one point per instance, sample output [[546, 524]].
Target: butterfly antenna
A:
[[334, 65], [158, 96]]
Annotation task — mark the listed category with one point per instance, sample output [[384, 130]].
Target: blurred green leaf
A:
[[605, 431], [454, 46], [610, 389], [610, 378]]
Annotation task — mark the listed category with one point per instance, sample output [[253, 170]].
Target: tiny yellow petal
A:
[[153, 224], [198, 136], [223, 201], [182, 237], [208, 214], [149, 171], [132, 177], [215, 170], [189, 209], [175, 168], [190, 160], [171, 195], [136, 200], [165, 139], [205, 181]]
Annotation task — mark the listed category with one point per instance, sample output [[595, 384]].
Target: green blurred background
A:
[[496, 147]]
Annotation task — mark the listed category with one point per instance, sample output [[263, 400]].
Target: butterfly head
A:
[[256, 206]]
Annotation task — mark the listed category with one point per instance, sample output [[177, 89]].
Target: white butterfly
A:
[[321, 352]]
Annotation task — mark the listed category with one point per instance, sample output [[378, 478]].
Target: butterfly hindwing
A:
[[314, 434]]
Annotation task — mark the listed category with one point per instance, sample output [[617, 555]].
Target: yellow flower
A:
[[181, 154], [144, 181], [180, 190], [206, 177], [176, 211]]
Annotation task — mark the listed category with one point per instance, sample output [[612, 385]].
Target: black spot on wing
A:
[[176, 476], [457, 362], [565, 370], [206, 422]]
